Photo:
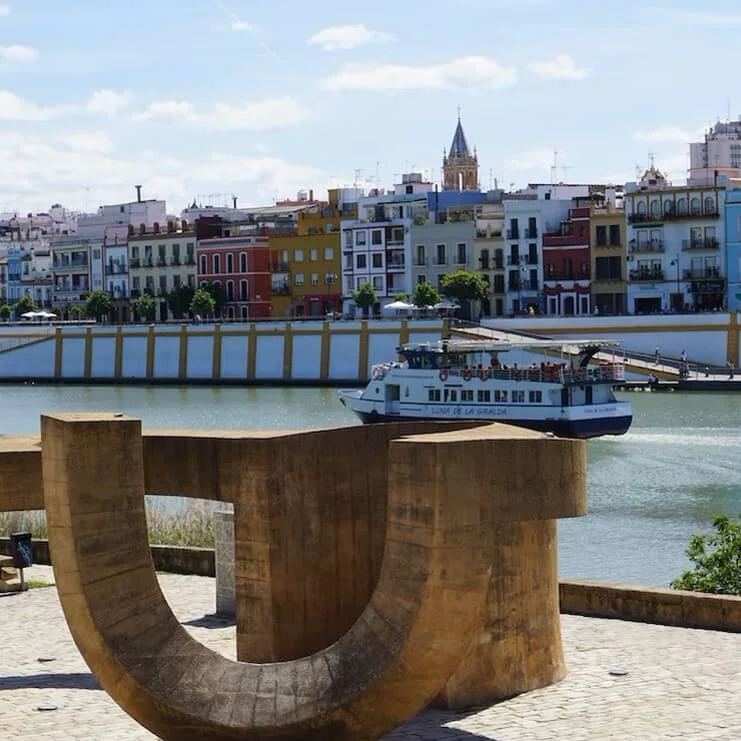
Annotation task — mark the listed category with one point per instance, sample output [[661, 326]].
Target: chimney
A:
[[311, 194], [138, 193], [234, 201]]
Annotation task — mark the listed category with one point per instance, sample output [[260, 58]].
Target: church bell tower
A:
[[460, 167]]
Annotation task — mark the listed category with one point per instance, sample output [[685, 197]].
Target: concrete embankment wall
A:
[[275, 352], [710, 338], [589, 598]]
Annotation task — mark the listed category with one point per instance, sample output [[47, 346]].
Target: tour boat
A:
[[564, 387]]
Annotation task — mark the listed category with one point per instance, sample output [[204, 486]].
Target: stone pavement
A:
[[626, 681]]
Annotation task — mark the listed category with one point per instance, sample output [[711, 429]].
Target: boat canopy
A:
[[572, 346]]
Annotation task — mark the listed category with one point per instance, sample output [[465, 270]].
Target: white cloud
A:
[[15, 108], [17, 53], [472, 72], [258, 115], [666, 134], [532, 159], [348, 37], [4, 9], [88, 141], [236, 24], [561, 67], [109, 102], [39, 170], [694, 17]]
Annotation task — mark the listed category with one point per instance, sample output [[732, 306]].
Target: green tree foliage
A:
[[97, 304], [717, 560], [144, 306], [400, 296], [425, 294], [217, 294], [23, 304], [75, 311], [465, 285], [364, 297], [203, 303], [5, 312], [179, 301]]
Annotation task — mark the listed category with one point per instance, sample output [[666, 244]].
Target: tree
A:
[[401, 296], [716, 558], [179, 300], [217, 294], [23, 304], [203, 303], [144, 306], [74, 311], [5, 312], [97, 304], [364, 297], [466, 286], [425, 294]]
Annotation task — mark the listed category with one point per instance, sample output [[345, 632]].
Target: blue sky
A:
[[260, 98]]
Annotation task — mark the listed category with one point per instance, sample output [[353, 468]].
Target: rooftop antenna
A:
[[564, 170], [651, 159], [358, 172], [554, 167], [638, 172]]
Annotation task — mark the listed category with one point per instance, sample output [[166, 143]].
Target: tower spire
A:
[[460, 167]]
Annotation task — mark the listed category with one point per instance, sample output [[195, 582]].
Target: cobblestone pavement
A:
[[666, 683]]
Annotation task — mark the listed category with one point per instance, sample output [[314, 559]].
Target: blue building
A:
[[733, 247], [14, 285]]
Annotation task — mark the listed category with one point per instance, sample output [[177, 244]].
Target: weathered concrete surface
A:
[[446, 492]]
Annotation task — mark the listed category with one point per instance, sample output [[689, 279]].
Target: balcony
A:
[[513, 233], [175, 261], [647, 275], [135, 293], [568, 275], [161, 261], [672, 215], [281, 287], [514, 284], [648, 245], [531, 233], [706, 243], [564, 239], [420, 262], [279, 266], [395, 265], [606, 245], [78, 262], [135, 262], [190, 260], [147, 262], [645, 219], [708, 273], [513, 259], [441, 261], [607, 279]]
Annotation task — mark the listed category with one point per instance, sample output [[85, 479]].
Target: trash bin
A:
[[20, 550]]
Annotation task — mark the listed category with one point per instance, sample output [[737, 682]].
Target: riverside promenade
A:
[[627, 681]]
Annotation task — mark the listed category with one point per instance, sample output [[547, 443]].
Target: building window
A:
[[229, 262], [203, 265], [298, 279], [421, 257], [347, 239], [135, 282], [243, 262], [217, 264], [230, 290], [378, 282], [461, 253], [695, 206], [615, 235], [682, 206], [243, 290], [191, 281], [329, 253], [176, 281], [313, 254], [601, 236], [96, 254], [360, 238], [377, 260], [376, 236], [314, 279], [441, 258], [163, 285], [298, 255], [361, 262], [709, 205], [421, 279]]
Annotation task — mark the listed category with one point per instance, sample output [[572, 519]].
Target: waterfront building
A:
[[676, 245], [142, 215], [25, 246], [608, 258], [719, 154], [440, 248], [733, 247], [160, 263], [71, 269], [566, 264], [234, 257], [488, 255], [460, 165]]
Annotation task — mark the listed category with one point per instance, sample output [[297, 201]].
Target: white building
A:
[[676, 245], [718, 154], [140, 214]]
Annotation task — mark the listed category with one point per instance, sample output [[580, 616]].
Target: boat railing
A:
[[606, 372]]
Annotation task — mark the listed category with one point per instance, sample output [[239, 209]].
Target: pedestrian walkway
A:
[[627, 681]]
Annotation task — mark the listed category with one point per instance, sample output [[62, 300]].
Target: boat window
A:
[[500, 396], [433, 394], [484, 395], [466, 395], [536, 397], [413, 361], [518, 397], [453, 395]]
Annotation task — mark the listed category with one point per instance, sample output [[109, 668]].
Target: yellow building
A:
[[609, 266], [305, 267]]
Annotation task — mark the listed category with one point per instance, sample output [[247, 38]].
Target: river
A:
[[648, 491]]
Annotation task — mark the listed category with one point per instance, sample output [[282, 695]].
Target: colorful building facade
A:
[[609, 266]]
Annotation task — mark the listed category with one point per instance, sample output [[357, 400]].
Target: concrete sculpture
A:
[[377, 568]]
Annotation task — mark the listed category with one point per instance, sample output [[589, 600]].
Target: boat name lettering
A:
[[476, 412]]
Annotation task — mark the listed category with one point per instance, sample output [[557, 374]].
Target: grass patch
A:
[[38, 583], [189, 524]]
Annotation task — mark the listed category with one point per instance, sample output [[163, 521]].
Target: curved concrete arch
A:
[[446, 492]]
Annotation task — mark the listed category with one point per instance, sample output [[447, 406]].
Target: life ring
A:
[[443, 375], [466, 374], [483, 374]]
